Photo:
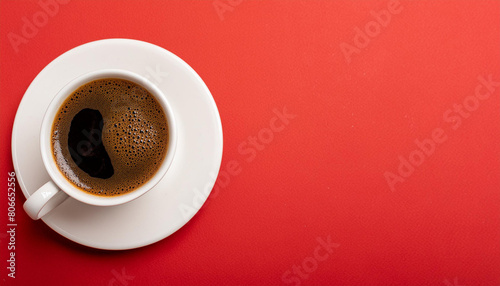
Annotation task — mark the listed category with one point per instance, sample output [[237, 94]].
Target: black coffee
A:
[[109, 137]]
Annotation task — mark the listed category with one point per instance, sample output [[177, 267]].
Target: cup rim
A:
[[45, 139]]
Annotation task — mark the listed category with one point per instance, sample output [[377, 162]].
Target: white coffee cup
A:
[[54, 192]]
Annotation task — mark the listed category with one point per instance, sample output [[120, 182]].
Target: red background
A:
[[323, 175]]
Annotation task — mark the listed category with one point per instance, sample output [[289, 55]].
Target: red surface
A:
[[323, 174]]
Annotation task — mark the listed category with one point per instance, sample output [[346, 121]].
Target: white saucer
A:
[[188, 182]]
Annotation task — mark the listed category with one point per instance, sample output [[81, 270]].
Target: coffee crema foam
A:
[[134, 135]]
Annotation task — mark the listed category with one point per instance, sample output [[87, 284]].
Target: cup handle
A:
[[44, 200]]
